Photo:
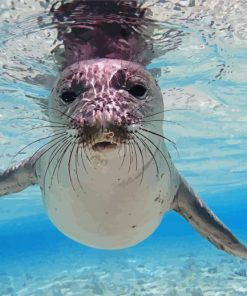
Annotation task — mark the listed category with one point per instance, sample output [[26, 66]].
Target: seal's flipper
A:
[[17, 178], [195, 211]]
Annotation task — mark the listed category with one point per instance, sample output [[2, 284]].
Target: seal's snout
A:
[[101, 130], [102, 122], [105, 135]]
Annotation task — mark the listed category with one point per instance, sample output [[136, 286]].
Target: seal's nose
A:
[[104, 120], [99, 118]]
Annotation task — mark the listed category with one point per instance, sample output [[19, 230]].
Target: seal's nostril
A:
[[109, 135]]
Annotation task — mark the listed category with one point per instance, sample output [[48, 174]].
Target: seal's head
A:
[[104, 101]]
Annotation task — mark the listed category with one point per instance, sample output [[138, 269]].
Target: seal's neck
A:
[[103, 29]]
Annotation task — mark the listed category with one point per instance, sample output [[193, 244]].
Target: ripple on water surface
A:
[[200, 49]]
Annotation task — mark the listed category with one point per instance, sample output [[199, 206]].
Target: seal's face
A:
[[103, 101]]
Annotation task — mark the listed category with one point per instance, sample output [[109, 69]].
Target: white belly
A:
[[107, 207]]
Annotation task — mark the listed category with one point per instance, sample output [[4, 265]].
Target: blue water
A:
[[206, 74], [36, 258]]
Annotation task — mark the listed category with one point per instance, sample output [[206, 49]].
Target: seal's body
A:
[[113, 191], [107, 205], [106, 175]]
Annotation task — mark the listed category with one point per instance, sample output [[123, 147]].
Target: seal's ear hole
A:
[[138, 91], [68, 96]]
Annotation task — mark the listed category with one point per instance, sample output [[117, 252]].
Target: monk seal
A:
[[106, 176]]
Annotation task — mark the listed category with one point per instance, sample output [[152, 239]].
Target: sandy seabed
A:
[[149, 270]]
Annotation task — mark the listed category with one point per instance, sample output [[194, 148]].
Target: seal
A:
[[106, 176], [114, 29]]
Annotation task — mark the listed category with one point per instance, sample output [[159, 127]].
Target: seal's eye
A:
[[138, 91], [68, 96]]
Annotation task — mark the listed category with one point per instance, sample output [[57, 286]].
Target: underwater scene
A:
[[195, 51]]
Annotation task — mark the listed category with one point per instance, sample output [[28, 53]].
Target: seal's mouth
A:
[[104, 142], [104, 145]]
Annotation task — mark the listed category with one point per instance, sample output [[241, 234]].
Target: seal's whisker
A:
[[68, 140], [82, 159], [163, 137], [58, 128], [151, 153], [64, 143], [51, 158], [66, 147], [77, 165], [132, 152], [36, 141], [156, 134], [69, 165], [42, 148], [119, 148], [167, 110], [136, 161], [85, 150], [42, 119], [134, 110], [130, 157], [146, 102], [160, 120], [157, 149], [88, 155], [123, 156], [139, 148], [61, 112]]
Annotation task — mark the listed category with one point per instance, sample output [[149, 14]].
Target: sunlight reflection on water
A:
[[200, 54]]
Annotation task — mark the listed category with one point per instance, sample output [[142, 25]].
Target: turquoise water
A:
[[205, 72], [36, 259]]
